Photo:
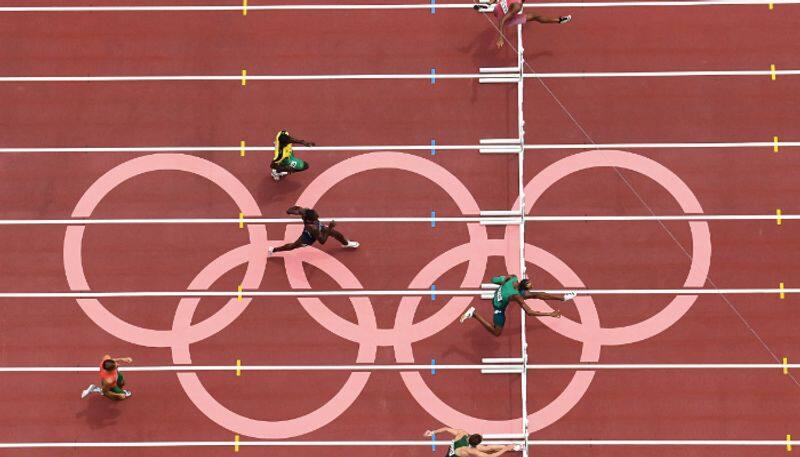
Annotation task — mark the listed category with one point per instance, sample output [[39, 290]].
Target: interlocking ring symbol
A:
[[366, 332]]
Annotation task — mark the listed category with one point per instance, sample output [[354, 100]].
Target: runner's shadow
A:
[[271, 191], [99, 412]]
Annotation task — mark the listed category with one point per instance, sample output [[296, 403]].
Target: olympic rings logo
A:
[[365, 332]]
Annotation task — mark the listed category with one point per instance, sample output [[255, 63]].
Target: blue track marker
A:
[[433, 440], [433, 6], [433, 76], [433, 370], [433, 219], [433, 147], [433, 297]]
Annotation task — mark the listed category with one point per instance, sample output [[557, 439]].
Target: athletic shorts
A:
[[293, 162], [499, 318], [120, 383]]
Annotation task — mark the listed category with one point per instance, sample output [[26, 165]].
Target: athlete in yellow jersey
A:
[[284, 161]]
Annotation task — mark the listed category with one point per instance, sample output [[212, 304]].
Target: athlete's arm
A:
[[543, 296], [499, 280], [452, 431], [531, 312], [123, 360], [298, 210], [476, 452], [303, 142]]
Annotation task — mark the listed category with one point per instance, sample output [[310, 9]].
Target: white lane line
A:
[[345, 7], [427, 147], [415, 367], [388, 76], [425, 443], [483, 220], [382, 293]]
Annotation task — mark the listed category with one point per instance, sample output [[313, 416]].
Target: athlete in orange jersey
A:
[[111, 380]]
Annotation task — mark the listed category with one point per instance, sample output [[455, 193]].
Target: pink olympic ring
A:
[[366, 332]]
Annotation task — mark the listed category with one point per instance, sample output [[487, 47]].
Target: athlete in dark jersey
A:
[[466, 445], [313, 230]]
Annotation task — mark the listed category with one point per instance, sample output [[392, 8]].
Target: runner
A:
[[509, 14], [284, 161], [465, 444], [313, 230], [111, 380], [512, 289]]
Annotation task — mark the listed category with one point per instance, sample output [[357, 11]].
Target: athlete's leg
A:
[[533, 17], [288, 247], [493, 328], [338, 236]]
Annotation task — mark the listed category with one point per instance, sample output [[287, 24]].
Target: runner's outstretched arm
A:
[[303, 142], [452, 431], [530, 312]]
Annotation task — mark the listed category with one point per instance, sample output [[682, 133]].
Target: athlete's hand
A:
[[428, 433], [310, 143], [332, 225]]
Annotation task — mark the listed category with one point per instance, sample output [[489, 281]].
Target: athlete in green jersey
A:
[[465, 445], [510, 288]]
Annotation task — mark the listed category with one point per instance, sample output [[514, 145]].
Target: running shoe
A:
[[128, 393], [275, 175], [88, 390], [517, 447], [270, 250], [352, 244], [570, 295], [467, 314], [564, 19]]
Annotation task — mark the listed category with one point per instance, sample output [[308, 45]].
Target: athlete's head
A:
[[524, 285], [109, 365], [283, 139], [310, 215], [475, 440]]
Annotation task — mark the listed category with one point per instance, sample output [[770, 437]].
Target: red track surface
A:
[[617, 405]]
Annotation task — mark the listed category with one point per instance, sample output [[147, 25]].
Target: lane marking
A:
[[621, 4], [239, 297], [786, 365], [433, 366], [243, 148], [244, 77], [788, 443], [236, 443], [562, 146], [433, 147], [775, 144], [448, 219], [244, 7], [389, 293], [433, 219], [782, 291], [433, 442], [433, 6], [778, 216], [433, 76], [417, 367], [377, 76], [238, 367], [772, 72], [433, 289]]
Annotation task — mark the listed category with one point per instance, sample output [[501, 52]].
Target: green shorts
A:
[[293, 162], [120, 383]]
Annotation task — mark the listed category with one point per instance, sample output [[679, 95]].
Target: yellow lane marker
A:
[[772, 72], [786, 365], [241, 220], [778, 216], [775, 144], [238, 367], [243, 147], [788, 443], [236, 443], [244, 77], [782, 295], [239, 297], [244, 7], [771, 5]]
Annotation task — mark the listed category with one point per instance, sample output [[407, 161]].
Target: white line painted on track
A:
[[426, 147], [410, 443], [415, 367], [347, 7], [383, 293], [396, 76], [484, 220]]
